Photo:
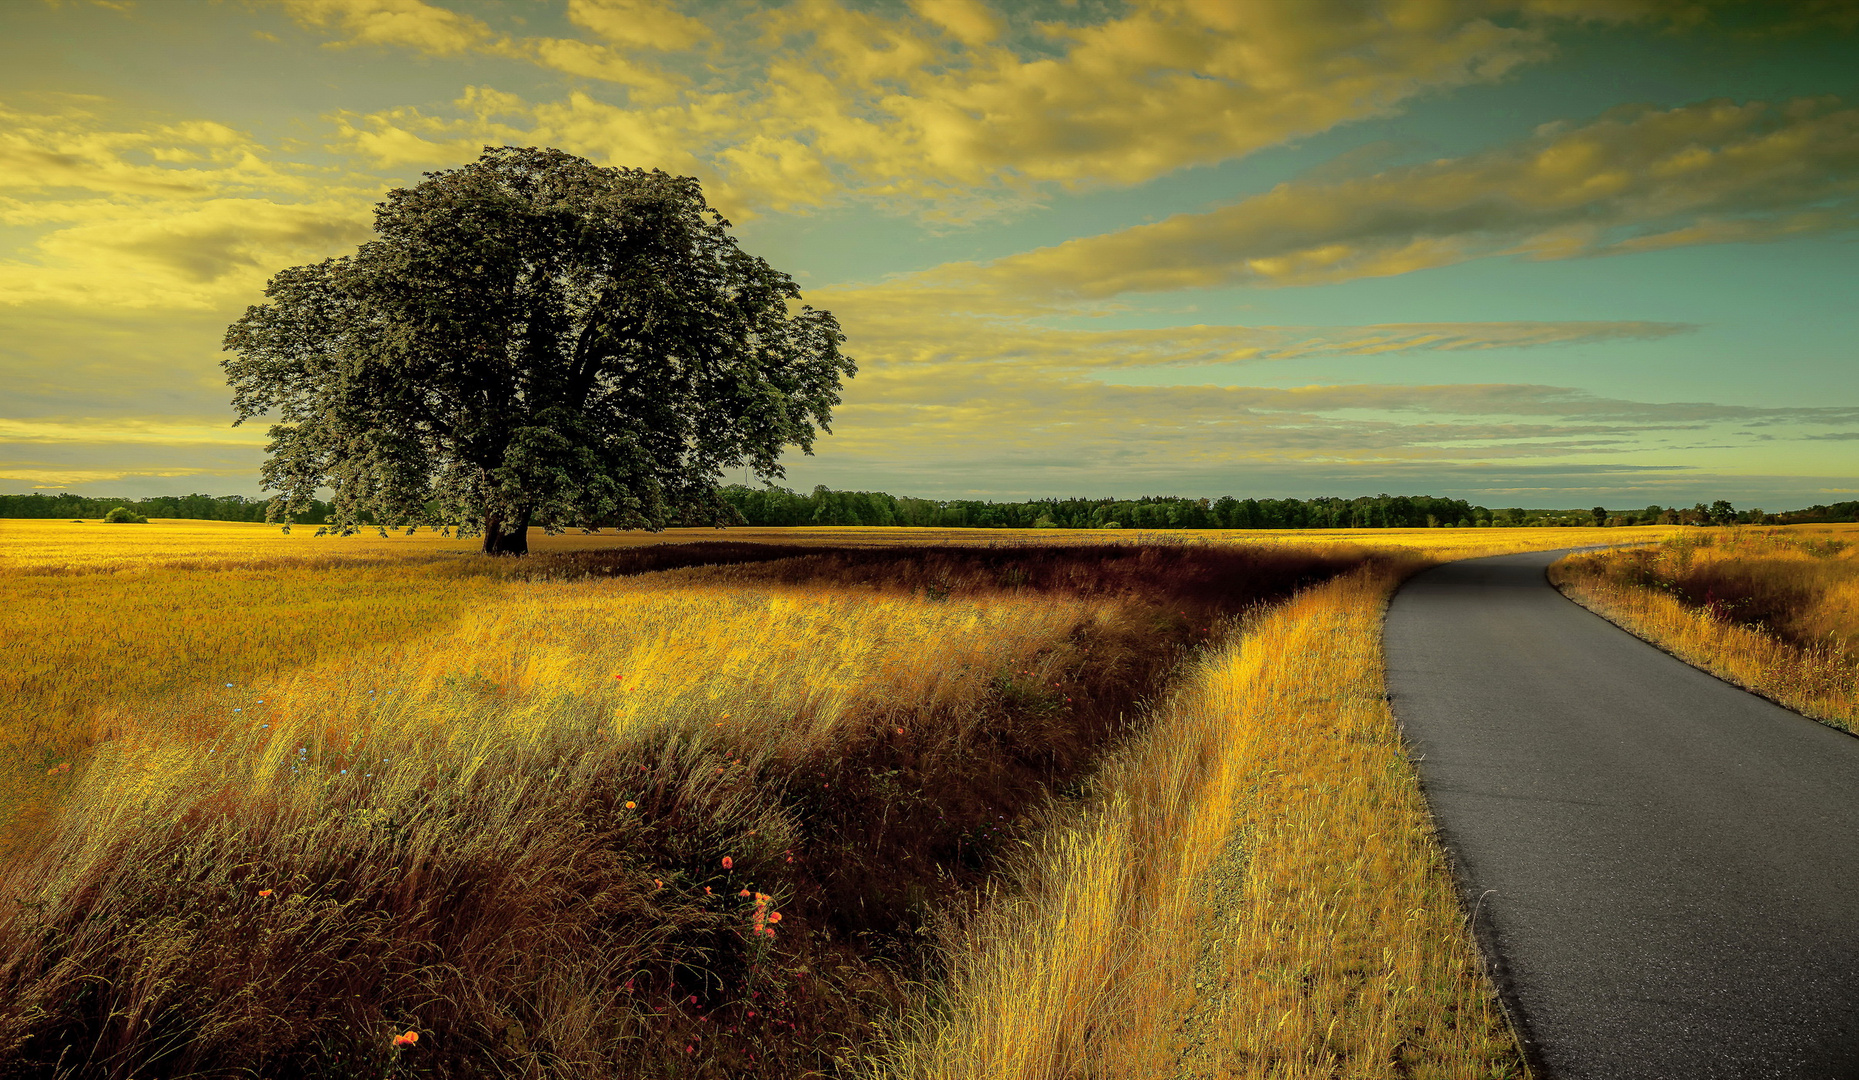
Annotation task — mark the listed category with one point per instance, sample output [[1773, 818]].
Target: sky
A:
[[1525, 252]]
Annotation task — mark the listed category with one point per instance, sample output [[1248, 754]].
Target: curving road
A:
[[1665, 869]]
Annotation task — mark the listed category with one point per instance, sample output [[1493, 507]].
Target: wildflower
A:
[[774, 916], [264, 892], [408, 1039], [53, 771], [728, 863], [657, 884], [631, 805], [744, 892]]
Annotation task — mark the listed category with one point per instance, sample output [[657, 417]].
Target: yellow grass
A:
[[1774, 610], [770, 672], [53, 545], [1255, 892], [1265, 836]]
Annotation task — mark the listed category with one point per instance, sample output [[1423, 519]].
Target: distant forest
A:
[[779, 506]]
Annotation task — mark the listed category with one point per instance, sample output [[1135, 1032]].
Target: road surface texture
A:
[[1665, 869]]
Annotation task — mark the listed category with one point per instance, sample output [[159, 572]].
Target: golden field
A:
[[1773, 609], [288, 797]]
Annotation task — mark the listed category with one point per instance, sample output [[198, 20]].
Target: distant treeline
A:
[[198, 507], [779, 506]]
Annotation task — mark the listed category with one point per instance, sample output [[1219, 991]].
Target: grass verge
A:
[[1775, 611], [1254, 891]]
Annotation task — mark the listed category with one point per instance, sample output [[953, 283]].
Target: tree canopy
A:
[[533, 339]]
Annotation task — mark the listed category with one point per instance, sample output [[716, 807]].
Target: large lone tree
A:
[[533, 340]]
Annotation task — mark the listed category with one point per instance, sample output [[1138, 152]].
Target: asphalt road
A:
[[1665, 869]]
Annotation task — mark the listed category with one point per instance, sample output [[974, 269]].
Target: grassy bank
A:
[[1774, 610], [1254, 891]]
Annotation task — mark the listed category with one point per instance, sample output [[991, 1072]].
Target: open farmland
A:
[[1774, 610], [755, 807]]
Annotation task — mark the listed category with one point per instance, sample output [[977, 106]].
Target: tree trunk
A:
[[507, 539]]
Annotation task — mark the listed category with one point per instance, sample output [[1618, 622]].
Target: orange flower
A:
[[408, 1039], [631, 805], [744, 892], [728, 863], [774, 916], [264, 892]]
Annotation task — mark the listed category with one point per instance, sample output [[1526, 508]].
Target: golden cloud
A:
[[1635, 179], [141, 431], [412, 24], [639, 24], [889, 335], [49, 479], [951, 108], [179, 255]]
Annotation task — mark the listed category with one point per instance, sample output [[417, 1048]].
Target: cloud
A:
[[411, 24], [955, 109], [141, 431], [1008, 429], [1634, 179], [64, 479], [967, 21], [885, 342], [79, 143], [639, 24], [128, 209], [198, 255]]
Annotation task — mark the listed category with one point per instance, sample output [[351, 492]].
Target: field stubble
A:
[[713, 820]]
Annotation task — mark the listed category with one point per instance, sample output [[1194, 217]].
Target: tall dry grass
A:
[[1774, 610], [1254, 890], [434, 807], [528, 834]]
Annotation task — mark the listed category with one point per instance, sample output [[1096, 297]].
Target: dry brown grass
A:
[[1254, 891], [523, 860], [509, 832], [1774, 610]]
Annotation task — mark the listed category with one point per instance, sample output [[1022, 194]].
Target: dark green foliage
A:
[[198, 507], [122, 515], [1818, 513], [533, 339], [779, 506]]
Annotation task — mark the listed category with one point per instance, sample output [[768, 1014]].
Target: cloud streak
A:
[[1636, 179], [953, 109]]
